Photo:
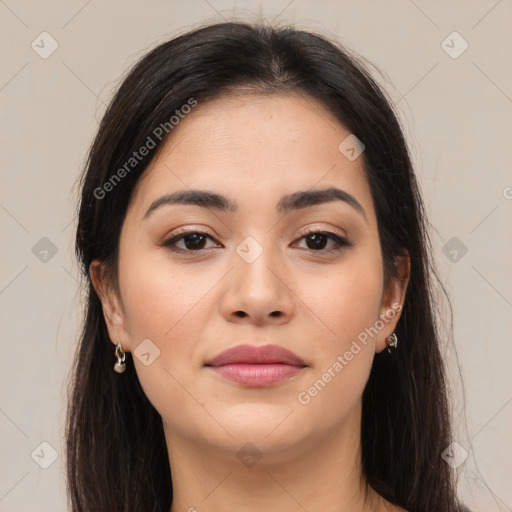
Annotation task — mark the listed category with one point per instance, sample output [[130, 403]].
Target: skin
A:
[[254, 149]]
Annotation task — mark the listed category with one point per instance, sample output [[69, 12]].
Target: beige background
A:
[[456, 114]]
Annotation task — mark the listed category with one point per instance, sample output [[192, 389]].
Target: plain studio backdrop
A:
[[447, 67]]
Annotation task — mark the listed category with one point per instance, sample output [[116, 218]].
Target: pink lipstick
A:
[[256, 366]]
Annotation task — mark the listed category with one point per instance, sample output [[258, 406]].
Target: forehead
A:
[[253, 146]]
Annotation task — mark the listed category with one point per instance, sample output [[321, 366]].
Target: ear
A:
[[111, 304], [393, 298]]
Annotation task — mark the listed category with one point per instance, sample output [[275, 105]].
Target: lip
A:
[[256, 354], [256, 366]]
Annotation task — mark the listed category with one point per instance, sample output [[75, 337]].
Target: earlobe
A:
[[112, 312], [392, 302]]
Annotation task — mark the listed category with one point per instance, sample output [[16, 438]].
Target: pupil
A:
[[316, 239], [194, 245], [196, 241]]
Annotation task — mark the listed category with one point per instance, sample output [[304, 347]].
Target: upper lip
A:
[[256, 354]]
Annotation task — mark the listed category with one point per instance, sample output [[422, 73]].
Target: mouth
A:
[[256, 366], [257, 375]]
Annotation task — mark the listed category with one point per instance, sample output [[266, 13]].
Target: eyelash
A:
[[340, 242]]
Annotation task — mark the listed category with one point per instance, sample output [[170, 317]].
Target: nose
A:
[[258, 292]]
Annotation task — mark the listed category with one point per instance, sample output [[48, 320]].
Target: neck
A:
[[323, 473]]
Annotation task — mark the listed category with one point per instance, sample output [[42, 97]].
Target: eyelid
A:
[[340, 240], [189, 228], [180, 233], [303, 232], [316, 229]]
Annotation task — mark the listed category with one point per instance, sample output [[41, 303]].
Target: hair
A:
[[117, 457]]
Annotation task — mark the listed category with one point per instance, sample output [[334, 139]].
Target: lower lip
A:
[[257, 375]]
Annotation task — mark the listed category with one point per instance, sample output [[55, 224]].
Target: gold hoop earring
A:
[[392, 341], [120, 365]]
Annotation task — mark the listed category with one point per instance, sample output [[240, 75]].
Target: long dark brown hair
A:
[[116, 452]]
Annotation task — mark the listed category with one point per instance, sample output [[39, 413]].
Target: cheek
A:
[[161, 299], [346, 300], [346, 304], [170, 306], [344, 355]]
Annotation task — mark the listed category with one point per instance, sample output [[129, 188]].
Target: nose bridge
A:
[[255, 257], [256, 286]]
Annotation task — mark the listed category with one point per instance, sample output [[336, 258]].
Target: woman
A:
[[259, 275]]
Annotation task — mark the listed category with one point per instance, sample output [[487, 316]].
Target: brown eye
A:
[[193, 241], [316, 241]]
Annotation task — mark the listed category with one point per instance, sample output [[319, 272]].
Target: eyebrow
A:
[[287, 203]]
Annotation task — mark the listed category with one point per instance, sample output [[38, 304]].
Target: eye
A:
[[194, 241], [317, 240]]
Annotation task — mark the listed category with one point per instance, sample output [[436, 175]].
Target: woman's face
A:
[[257, 277]]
